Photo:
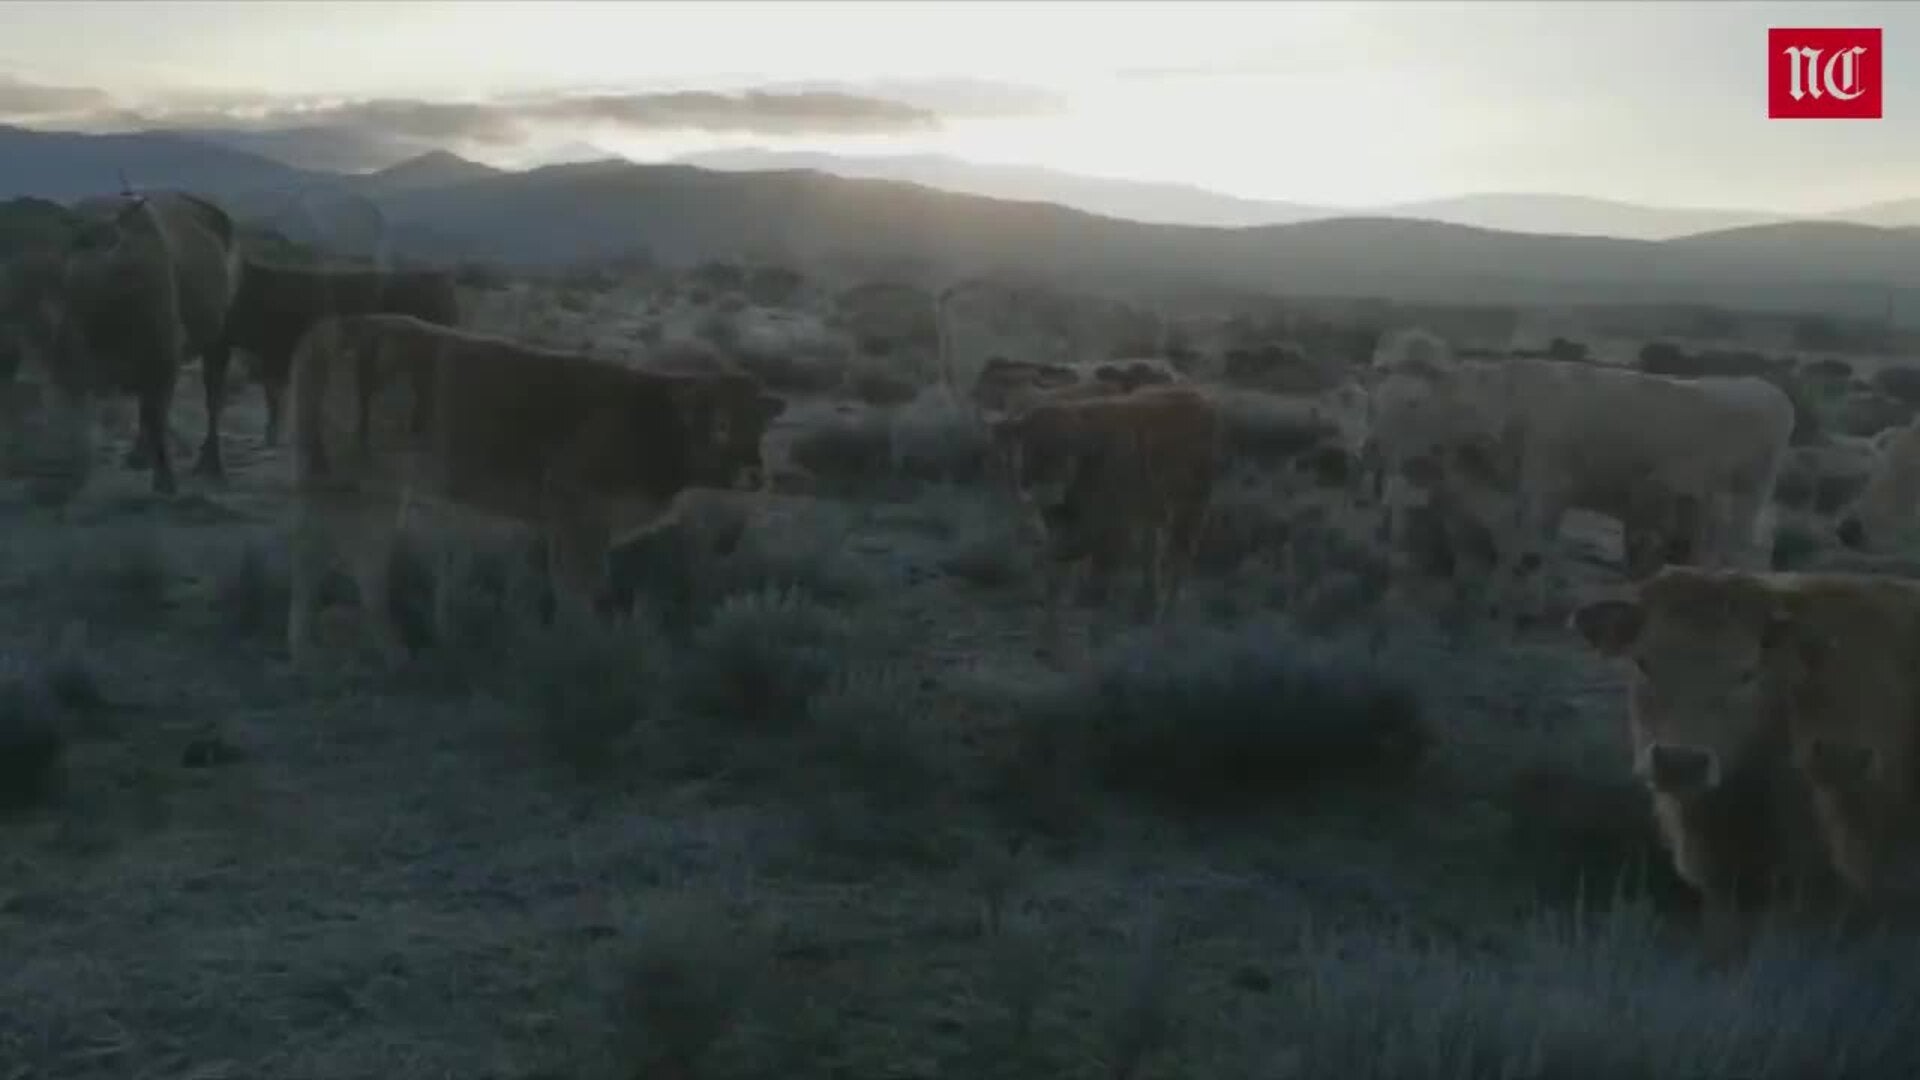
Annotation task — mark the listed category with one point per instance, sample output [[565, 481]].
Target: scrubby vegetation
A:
[[810, 806]]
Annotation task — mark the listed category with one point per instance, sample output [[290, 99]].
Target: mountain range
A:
[[444, 207], [1187, 204]]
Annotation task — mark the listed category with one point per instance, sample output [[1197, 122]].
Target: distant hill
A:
[[1171, 204], [64, 165], [439, 206], [1895, 214], [436, 168], [1572, 215], [313, 148], [1185, 204], [682, 213]]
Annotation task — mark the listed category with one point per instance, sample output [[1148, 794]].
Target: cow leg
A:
[[311, 550], [274, 390], [1059, 579], [577, 563], [1724, 930], [372, 539], [1740, 520], [1524, 555], [213, 377], [153, 434]]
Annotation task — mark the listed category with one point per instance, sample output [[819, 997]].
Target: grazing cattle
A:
[[389, 410], [1708, 723], [1111, 477], [276, 305], [1886, 514], [146, 284], [1737, 673], [1692, 461]]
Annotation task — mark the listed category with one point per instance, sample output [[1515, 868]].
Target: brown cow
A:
[[390, 410], [1105, 478], [146, 284], [277, 305], [1849, 645], [1769, 710]]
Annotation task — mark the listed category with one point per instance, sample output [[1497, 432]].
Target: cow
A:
[[390, 410], [1709, 725], [1823, 682], [1885, 515], [1848, 647], [1105, 478], [145, 284], [1687, 465], [277, 304]]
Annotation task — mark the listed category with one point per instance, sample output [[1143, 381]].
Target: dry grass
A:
[[814, 810]]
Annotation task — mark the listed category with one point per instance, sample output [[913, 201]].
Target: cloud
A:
[[949, 97], [374, 133], [22, 100], [756, 112]]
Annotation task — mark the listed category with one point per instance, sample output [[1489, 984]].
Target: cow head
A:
[[726, 418], [1704, 693]]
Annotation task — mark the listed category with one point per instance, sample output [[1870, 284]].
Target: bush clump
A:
[[759, 661], [31, 744], [1228, 718]]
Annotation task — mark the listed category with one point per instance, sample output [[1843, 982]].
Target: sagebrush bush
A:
[[1598, 997], [586, 682], [848, 455], [761, 658], [1795, 545], [1221, 718], [687, 983], [866, 732], [935, 441], [682, 572], [124, 573], [32, 744]]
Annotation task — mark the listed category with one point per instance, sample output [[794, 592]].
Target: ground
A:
[[835, 819]]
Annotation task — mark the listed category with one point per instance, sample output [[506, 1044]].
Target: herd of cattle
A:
[[1775, 717]]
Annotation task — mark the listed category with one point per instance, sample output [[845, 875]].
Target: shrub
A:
[[761, 658], [1598, 997], [686, 985], [848, 455], [876, 385], [1226, 718], [1794, 546], [773, 286], [934, 441], [866, 733], [585, 682], [32, 745]]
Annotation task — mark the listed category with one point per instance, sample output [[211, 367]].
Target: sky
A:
[[1343, 104]]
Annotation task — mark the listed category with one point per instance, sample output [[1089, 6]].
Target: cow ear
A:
[[1610, 626]]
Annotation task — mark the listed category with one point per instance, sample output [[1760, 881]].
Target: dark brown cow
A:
[[277, 305], [146, 284], [1113, 477], [389, 410]]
